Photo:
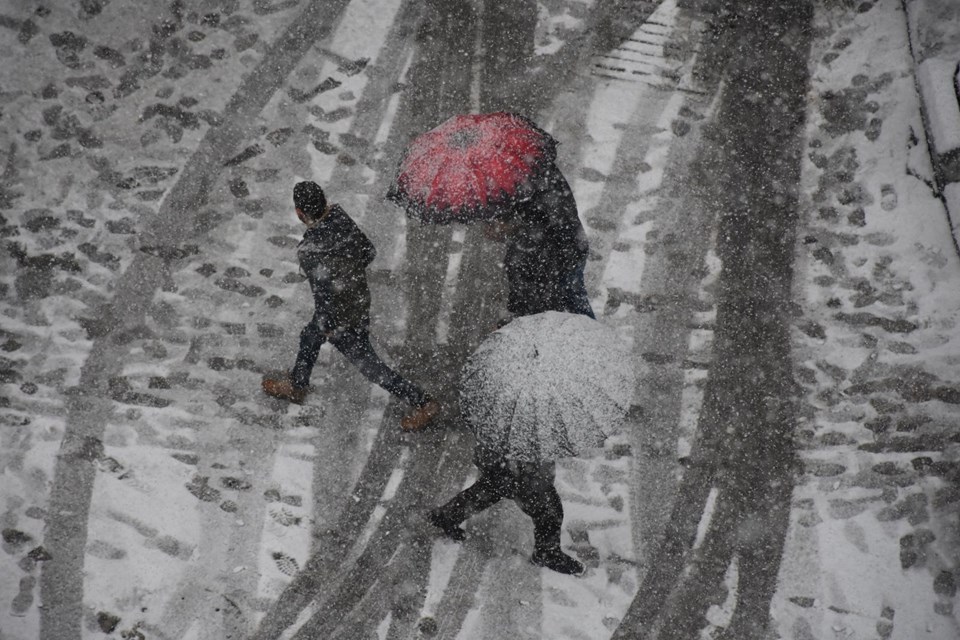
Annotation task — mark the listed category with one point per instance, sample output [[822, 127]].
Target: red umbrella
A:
[[471, 167]]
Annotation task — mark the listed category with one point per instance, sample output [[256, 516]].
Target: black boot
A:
[[555, 559], [450, 529]]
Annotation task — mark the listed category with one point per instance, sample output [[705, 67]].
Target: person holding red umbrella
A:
[[546, 250], [334, 255], [499, 168]]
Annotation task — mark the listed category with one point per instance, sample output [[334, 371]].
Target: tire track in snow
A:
[[505, 46], [333, 545], [223, 551], [398, 544], [747, 420]]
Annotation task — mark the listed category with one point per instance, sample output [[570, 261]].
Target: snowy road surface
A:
[[150, 490]]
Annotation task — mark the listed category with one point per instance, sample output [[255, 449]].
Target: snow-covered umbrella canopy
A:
[[547, 386]]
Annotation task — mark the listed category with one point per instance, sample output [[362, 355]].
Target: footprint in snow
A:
[[286, 564], [24, 599], [285, 518], [105, 550], [199, 487], [235, 484], [888, 197]]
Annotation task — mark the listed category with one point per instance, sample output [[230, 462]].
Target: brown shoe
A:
[[420, 417], [282, 388]]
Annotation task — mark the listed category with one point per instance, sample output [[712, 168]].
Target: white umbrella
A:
[[547, 386]]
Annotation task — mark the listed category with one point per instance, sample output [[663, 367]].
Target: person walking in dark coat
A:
[[334, 255], [546, 251], [528, 484]]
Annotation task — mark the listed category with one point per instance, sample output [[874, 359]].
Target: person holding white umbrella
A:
[[545, 386]]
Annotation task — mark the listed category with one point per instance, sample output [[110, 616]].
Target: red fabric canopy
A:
[[471, 167]]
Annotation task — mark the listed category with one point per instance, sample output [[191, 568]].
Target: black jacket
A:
[[547, 243], [334, 255]]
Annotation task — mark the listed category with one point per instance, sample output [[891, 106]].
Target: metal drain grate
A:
[[653, 55]]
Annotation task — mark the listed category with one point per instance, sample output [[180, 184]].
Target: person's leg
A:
[[311, 339], [354, 344], [482, 494], [537, 497], [293, 386]]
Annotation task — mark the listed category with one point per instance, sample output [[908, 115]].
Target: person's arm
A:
[[314, 259], [571, 243], [353, 247], [564, 229], [321, 285], [366, 252]]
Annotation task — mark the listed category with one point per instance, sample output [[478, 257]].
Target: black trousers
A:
[[354, 344], [529, 485]]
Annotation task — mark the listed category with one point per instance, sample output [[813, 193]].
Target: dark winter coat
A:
[[546, 244], [507, 476], [334, 255]]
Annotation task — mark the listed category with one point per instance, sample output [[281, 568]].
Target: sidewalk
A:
[[872, 546], [935, 44]]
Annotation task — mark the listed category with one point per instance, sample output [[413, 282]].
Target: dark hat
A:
[[309, 198]]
